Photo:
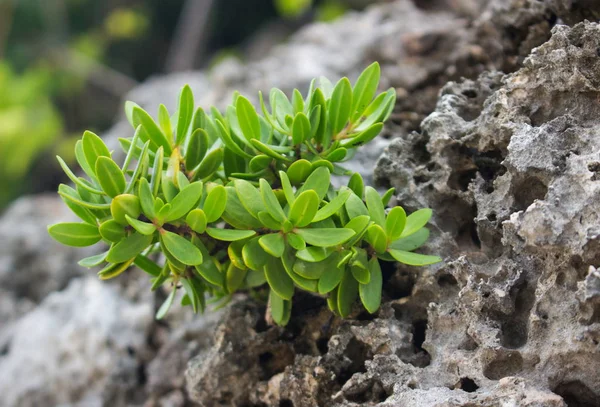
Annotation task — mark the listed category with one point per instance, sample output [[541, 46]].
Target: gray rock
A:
[[66, 350]]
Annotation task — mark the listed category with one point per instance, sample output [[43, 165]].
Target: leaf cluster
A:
[[235, 200]]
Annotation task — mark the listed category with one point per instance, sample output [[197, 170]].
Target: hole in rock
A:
[[5, 349], [399, 284], [375, 393], [446, 280], [577, 394], [468, 385], [527, 191], [422, 358], [286, 403], [470, 93], [515, 329], [271, 364], [323, 345], [357, 352], [505, 364]]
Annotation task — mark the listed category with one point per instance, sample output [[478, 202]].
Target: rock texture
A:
[[508, 158]]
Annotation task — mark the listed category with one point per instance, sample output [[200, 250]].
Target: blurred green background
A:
[[65, 65]]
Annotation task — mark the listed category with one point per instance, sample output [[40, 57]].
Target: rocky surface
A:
[[507, 158]]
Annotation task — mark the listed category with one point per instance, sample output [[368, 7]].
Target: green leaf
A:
[[334, 206], [112, 231], [248, 118], [208, 269], [295, 241], [280, 309], [255, 278], [125, 204], [319, 181], [288, 259], [259, 163], [340, 105], [157, 169], [355, 207], [154, 132], [364, 137], [209, 165], [370, 294], [268, 150], [360, 274], [357, 184], [85, 214], [76, 180], [181, 248], [229, 142], [376, 238], [191, 293], [75, 234], [196, 220], [347, 293], [365, 89], [110, 176], [234, 251], [278, 279], [254, 255], [196, 149], [411, 242], [300, 129], [416, 221], [79, 201], [128, 248], [249, 197], [229, 235], [385, 199], [113, 270], [162, 214], [287, 188], [318, 100], [273, 243], [234, 278], [314, 254], [146, 199], [169, 189], [82, 161], [164, 120], [164, 308], [186, 112], [93, 147], [185, 200], [267, 220], [394, 223], [413, 259], [304, 208], [332, 301], [215, 203], [375, 206], [337, 155], [378, 110], [129, 106], [93, 261], [147, 265], [235, 214], [332, 277], [299, 171], [144, 228], [142, 166], [271, 202], [325, 237], [281, 106], [310, 270]]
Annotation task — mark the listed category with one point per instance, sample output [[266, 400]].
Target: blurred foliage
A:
[[30, 124], [66, 64]]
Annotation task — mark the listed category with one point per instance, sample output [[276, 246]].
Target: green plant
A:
[[237, 200]]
